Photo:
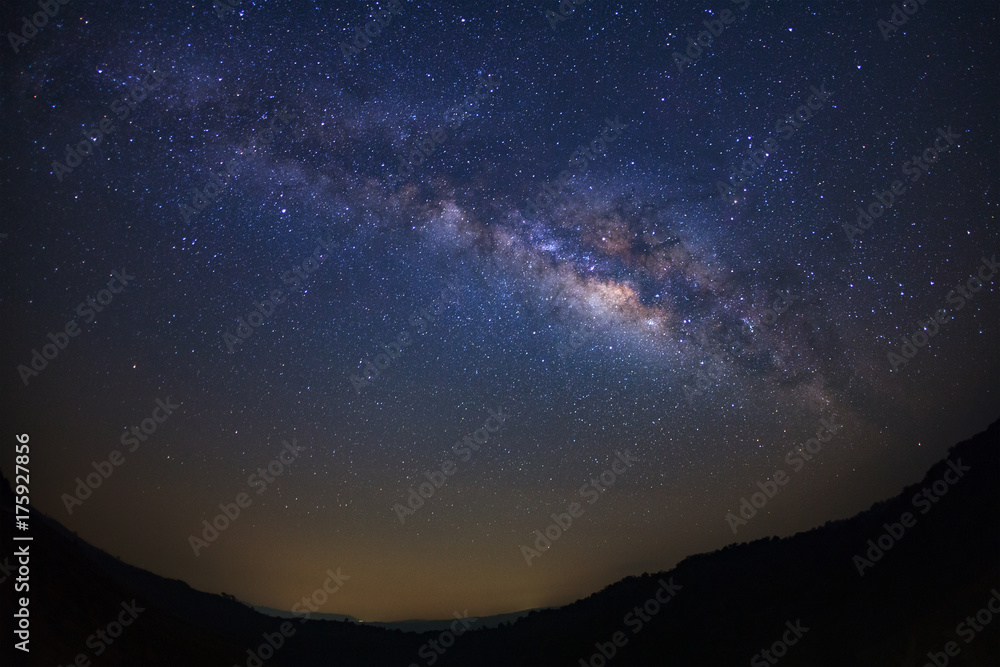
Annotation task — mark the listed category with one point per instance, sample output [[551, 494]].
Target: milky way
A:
[[646, 250]]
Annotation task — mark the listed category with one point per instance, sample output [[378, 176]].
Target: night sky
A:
[[498, 250]]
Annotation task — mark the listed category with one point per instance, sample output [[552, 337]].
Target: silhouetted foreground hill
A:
[[723, 609]]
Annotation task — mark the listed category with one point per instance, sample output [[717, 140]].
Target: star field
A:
[[575, 248]]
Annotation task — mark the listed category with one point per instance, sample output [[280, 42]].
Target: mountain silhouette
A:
[[867, 590]]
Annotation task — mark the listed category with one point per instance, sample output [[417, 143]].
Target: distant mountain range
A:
[[405, 626], [921, 578], [280, 613]]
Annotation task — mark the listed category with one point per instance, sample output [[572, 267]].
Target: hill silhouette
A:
[[724, 607]]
